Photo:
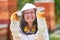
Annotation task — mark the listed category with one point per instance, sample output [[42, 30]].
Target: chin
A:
[[30, 21]]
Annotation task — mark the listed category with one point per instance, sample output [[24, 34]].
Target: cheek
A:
[[33, 16], [25, 17]]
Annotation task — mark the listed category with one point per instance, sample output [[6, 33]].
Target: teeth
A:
[[29, 18]]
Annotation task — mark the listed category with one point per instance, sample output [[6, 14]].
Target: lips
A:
[[29, 18]]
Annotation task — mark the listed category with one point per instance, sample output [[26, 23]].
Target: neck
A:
[[30, 25]]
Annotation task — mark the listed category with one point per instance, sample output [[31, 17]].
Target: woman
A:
[[28, 29], [29, 22]]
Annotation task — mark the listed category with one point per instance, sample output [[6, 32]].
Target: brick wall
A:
[[7, 7]]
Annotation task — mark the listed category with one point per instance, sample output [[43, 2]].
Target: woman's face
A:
[[29, 15]]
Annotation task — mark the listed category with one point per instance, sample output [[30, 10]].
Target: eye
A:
[[32, 12], [26, 12]]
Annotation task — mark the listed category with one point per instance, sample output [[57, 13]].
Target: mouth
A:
[[29, 18]]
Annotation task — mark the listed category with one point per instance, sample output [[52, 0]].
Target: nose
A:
[[29, 14]]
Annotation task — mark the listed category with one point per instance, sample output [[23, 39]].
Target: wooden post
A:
[[7, 7], [4, 16]]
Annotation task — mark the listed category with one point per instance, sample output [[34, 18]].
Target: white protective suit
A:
[[42, 33]]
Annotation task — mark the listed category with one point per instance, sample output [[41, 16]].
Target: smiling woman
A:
[[27, 28], [29, 20]]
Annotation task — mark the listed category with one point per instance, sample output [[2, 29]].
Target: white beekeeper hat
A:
[[28, 6], [19, 13]]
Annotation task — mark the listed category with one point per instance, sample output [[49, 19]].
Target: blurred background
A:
[[7, 7]]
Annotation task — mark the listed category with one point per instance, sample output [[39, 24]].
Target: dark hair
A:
[[23, 23]]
